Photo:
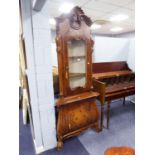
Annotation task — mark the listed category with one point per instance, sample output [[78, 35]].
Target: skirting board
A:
[[39, 149], [128, 98], [131, 98]]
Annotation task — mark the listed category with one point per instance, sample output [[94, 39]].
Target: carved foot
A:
[[97, 128], [59, 145]]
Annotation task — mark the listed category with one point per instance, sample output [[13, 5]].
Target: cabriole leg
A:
[[102, 117], [123, 100], [97, 128], [108, 114]]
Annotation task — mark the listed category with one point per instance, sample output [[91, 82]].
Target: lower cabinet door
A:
[[76, 117]]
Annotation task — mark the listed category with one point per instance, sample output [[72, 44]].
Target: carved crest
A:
[[76, 16]]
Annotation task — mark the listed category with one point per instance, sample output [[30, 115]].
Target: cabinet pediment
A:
[[76, 19]]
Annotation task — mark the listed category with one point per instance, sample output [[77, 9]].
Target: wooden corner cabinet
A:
[[77, 110]]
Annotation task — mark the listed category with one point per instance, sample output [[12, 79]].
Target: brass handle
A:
[[66, 75], [69, 121], [69, 126]]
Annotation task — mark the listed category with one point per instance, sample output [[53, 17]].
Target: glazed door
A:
[[77, 68]]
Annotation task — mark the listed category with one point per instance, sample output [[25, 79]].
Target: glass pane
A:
[[77, 63]]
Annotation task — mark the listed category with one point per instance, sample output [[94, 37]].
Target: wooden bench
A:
[[119, 82]]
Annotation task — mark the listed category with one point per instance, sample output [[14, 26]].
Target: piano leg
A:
[[123, 100], [102, 117], [108, 113]]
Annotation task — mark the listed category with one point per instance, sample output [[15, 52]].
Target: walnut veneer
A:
[[77, 110]]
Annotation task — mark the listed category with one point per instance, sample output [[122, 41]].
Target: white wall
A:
[[28, 37], [54, 55], [43, 65], [131, 54], [110, 49], [38, 40]]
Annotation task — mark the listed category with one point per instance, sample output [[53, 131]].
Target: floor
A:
[[120, 133]]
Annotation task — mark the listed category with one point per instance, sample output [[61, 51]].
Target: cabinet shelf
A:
[[74, 57], [73, 75]]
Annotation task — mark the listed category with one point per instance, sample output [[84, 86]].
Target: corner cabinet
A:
[[77, 110]]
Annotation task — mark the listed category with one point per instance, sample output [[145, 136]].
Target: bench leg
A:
[[108, 114], [123, 100], [102, 117]]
